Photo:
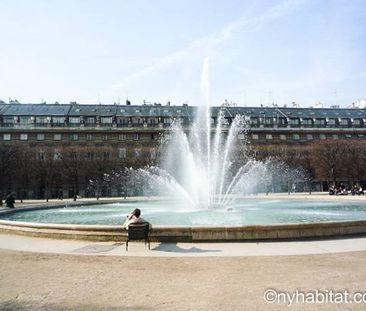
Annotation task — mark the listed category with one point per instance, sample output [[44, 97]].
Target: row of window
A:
[[319, 122], [139, 121], [138, 136], [75, 137], [121, 154], [86, 120], [306, 136]]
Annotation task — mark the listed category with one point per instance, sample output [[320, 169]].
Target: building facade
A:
[[133, 132]]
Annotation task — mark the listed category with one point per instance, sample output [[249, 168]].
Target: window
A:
[[106, 155], [58, 120], [152, 153], [344, 122], [269, 136], [320, 122], [89, 136], [296, 136], [268, 121], [90, 120], [335, 136], [137, 152], [7, 137], [357, 122], [25, 120], [9, 120], [122, 137], [283, 137], [90, 155], [348, 135], [322, 136], [153, 137], [254, 121], [167, 120], [309, 136], [40, 155], [57, 136], [106, 120], [255, 136], [73, 155], [122, 153], [307, 122], [294, 122], [332, 122], [40, 136], [74, 120], [41, 120], [123, 121], [153, 121], [23, 136], [74, 137], [105, 137], [138, 121], [137, 136], [283, 121], [56, 154]]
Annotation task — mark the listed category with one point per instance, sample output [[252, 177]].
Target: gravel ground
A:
[[34, 281]]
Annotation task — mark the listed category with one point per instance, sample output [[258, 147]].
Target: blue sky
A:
[[259, 51]]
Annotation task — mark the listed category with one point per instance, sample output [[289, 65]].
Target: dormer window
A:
[[254, 121], [320, 122], [295, 121], [74, 120], [106, 120]]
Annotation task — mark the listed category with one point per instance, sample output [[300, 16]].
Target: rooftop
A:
[[170, 111]]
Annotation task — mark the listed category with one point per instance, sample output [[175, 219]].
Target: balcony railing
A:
[[167, 125]]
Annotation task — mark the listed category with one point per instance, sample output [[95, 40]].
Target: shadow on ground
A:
[[174, 248]]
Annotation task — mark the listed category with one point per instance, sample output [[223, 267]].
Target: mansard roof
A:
[[3, 107], [174, 111], [92, 110], [36, 110]]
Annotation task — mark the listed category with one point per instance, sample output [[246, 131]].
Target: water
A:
[[167, 212], [206, 165]]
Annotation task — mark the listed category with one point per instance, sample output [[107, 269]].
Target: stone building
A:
[[133, 131]]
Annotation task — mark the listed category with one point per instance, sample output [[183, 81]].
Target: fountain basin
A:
[[184, 232]]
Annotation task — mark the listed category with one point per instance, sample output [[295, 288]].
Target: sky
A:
[[259, 52]]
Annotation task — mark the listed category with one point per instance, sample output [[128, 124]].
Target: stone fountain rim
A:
[[180, 233]]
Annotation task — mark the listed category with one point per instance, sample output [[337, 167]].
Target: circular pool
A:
[[165, 212], [249, 219]]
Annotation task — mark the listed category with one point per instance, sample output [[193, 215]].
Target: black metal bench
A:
[[138, 231]]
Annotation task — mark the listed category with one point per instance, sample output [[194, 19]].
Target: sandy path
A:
[[33, 281]]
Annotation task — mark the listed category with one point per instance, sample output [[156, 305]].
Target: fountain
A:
[[205, 170], [207, 164]]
